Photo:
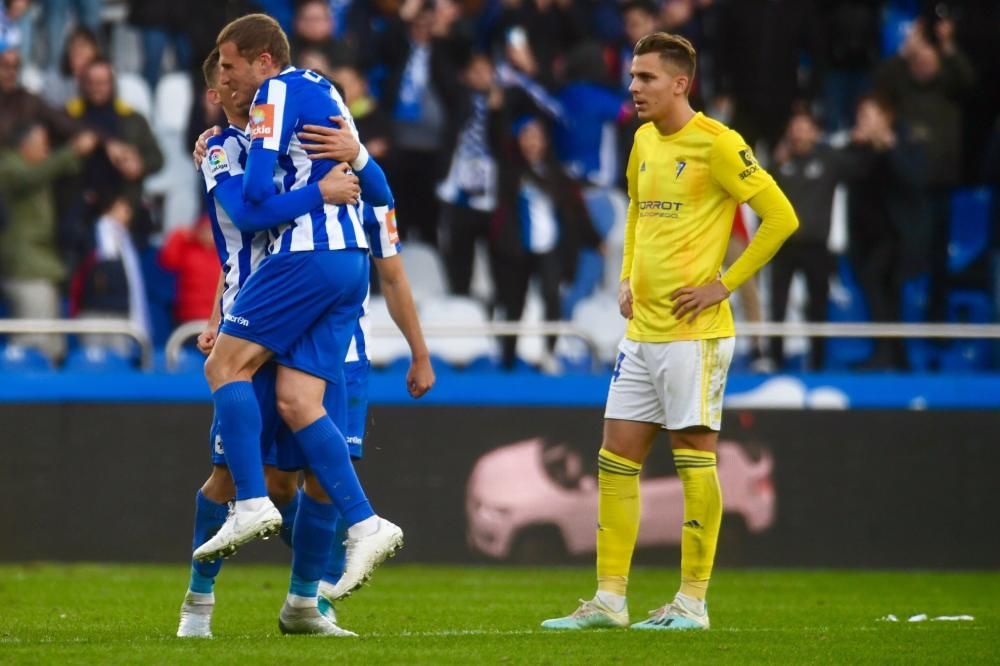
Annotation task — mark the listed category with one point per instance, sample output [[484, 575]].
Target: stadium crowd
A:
[[504, 127]]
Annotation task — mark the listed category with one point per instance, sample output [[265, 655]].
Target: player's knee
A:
[[281, 486], [219, 487], [296, 411]]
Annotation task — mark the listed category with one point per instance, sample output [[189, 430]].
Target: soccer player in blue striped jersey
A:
[[306, 293], [239, 254]]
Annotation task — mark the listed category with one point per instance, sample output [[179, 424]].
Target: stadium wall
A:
[[857, 488]]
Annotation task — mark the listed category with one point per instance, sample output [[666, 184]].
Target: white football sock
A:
[[615, 602]]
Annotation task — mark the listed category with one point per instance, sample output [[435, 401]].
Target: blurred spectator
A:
[[761, 46], [887, 214], [130, 150], [190, 254], [640, 19], [161, 24], [850, 52], [927, 82], [421, 75], [314, 30], [62, 85], [280, 10], [539, 226], [469, 190], [545, 28], [29, 257], [16, 30], [808, 173], [18, 106], [110, 285], [57, 18], [374, 126], [586, 136]]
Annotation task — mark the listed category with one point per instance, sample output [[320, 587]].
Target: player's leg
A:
[[230, 370], [312, 539], [211, 509], [371, 539], [693, 420], [355, 420], [633, 417]]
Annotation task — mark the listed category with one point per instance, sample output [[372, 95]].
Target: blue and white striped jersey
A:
[[383, 242], [239, 252], [284, 104]]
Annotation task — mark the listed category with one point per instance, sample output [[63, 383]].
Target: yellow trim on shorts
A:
[[707, 353]]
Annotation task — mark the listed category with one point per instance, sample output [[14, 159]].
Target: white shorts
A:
[[676, 384]]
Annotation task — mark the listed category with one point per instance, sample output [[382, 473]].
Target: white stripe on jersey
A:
[[388, 246], [234, 245], [276, 90], [366, 329]]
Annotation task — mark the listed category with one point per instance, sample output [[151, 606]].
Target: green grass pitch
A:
[[92, 614]]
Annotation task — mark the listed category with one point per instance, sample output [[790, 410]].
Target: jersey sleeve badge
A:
[[262, 121], [218, 161]]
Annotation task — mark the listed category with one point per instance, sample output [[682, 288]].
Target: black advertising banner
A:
[[518, 484]]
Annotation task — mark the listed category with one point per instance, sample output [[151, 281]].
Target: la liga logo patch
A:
[[262, 121], [217, 160]]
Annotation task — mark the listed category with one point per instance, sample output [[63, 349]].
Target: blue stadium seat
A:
[[97, 360], [970, 307], [842, 353], [969, 228], [16, 358]]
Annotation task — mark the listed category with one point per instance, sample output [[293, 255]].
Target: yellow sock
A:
[[702, 518], [617, 520]]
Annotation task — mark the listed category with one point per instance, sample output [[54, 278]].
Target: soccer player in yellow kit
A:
[[686, 175]]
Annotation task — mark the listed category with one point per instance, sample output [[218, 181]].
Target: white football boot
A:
[[196, 616], [308, 621], [241, 527], [363, 556]]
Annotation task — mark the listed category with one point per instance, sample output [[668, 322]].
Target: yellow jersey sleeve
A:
[[777, 223], [632, 175], [734, 167]]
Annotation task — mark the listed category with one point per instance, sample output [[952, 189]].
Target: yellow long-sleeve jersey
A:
[[683, 192]]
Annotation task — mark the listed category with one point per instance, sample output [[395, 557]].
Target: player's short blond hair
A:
[[210, 68], [255, 34], [672, 49]]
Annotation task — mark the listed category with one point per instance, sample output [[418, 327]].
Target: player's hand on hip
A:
[[201, 145], [207, 340], [336, 143], [340, 186], [690, 301], [420, 377], [625, 298]]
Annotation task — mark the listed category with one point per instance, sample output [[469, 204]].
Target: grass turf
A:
[[460, 615]]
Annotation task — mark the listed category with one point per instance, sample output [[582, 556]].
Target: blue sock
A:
[[208, 518], [325, 449], [335, 565], [312, 540], [288, 519], [240, 429]]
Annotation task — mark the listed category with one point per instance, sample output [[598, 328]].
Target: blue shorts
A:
[[263, 386], [304, 307]]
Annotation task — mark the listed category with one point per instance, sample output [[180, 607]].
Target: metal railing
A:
[[568, 329], [83, 327], [192, 329]]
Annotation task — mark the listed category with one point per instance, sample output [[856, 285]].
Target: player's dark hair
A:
[[673, 49], [210, 68], [255, 34], [80, 32]]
